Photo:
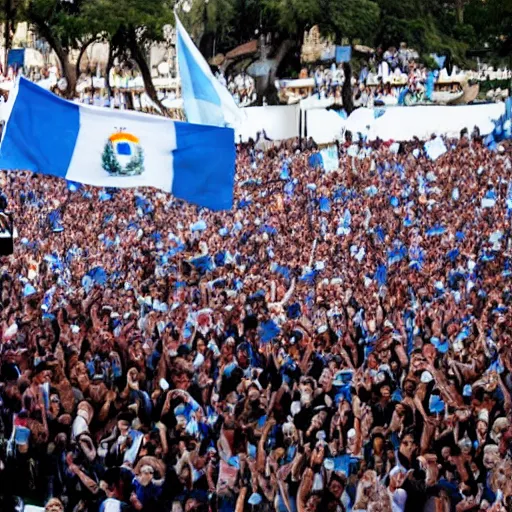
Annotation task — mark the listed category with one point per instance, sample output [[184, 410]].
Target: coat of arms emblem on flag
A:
[[123, 155]]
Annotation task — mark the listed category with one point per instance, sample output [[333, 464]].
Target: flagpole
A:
[[7, 32]]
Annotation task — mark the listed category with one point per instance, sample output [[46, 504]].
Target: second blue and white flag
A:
[[205, 100], [110, 148]]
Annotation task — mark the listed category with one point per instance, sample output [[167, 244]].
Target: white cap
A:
[[483, 415]]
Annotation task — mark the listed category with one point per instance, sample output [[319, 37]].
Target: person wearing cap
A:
[[146, 489]]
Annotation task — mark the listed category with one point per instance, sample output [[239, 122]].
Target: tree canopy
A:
[[450, 26], [130, 26]]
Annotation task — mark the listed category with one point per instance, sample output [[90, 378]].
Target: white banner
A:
[[330, 158]]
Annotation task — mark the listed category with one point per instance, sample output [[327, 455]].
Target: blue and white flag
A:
[[205, 100], [109, 148], [502, 128], [330, 158]]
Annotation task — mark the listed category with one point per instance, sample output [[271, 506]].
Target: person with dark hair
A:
[[344, 344]]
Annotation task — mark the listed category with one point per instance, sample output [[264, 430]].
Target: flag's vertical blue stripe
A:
[[200, 85], [41, 132], [204, 165]]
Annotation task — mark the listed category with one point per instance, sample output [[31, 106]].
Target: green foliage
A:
[[429, 62], [294, 16], [70, 23], [491, 19], [442, 26], [110, 164], [489, 85], [426, 26], [350, 19], [492, 23], [216, 20], [235, 22], [61, 20], [111, 16], [109, 161]]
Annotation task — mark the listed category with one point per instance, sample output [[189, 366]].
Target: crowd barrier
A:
[[391, 123]]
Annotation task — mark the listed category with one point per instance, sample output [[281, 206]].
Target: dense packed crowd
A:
[[126, 87], [241, 87], [377, 83], [338, 341]]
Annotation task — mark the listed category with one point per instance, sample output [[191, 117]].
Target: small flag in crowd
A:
[[108, 148], [435, 148], [502, 127]]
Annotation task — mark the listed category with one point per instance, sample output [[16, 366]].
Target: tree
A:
[[9, 15], [60, 23], [130, 27], [213, 25], [491, 21], [350, 19], [295, 16]]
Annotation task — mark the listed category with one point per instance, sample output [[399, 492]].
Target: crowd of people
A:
[[339, 341], [383, 76], [241, 86], [376, 84], [127, 91], [127, 87]]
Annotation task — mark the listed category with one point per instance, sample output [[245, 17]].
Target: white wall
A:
[[279, 122], [405, 123]]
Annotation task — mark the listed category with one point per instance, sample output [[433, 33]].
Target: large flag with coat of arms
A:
[[111, 148]]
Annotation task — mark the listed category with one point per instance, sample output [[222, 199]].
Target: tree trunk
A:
[[7, 31], [281, 53], [83, 49], [110, 64], [139, 57], [346, 90], [459, 5], [115, 50], [68, 70]]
